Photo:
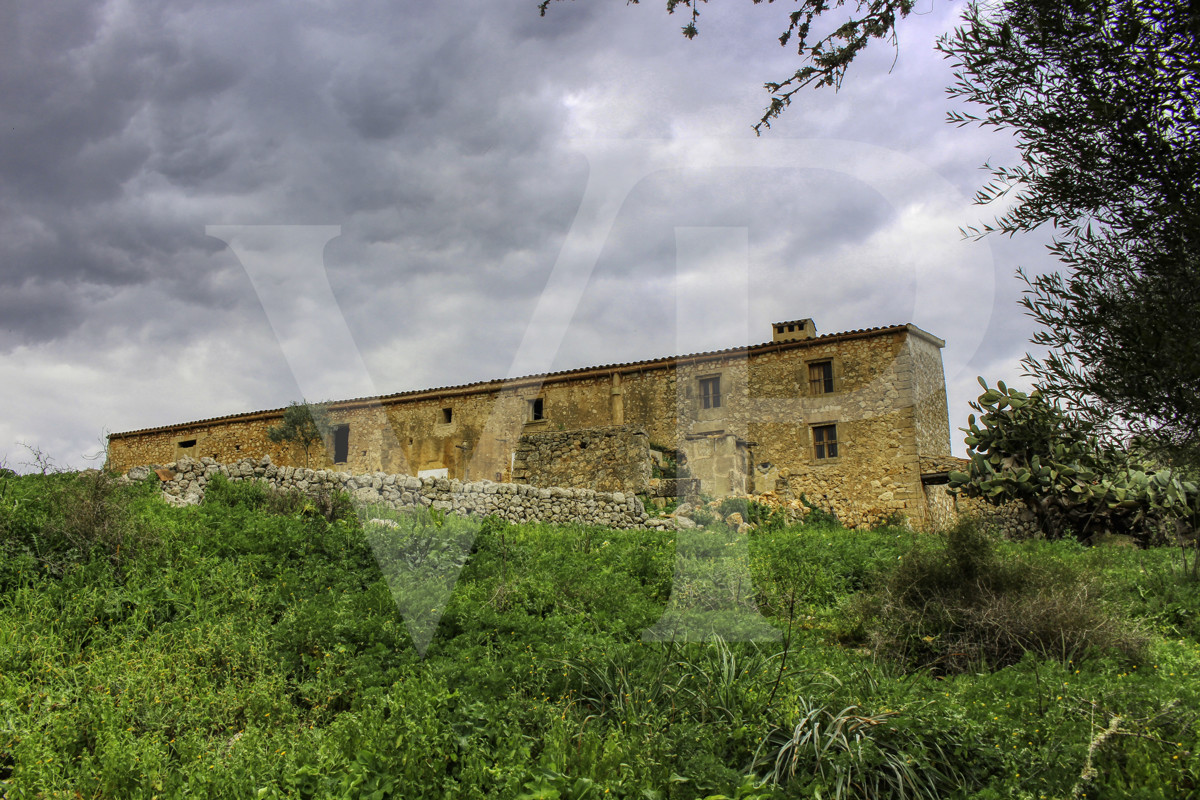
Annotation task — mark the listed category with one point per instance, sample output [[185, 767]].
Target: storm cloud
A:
[[454, 145]]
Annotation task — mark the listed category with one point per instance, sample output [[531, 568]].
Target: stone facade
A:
[[842, 419], [608, 459]]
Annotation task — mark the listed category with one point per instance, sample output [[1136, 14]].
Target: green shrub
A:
[[236, 494], [766, 517], [330, 505], [818, 516], [955, 602], [53, 521]]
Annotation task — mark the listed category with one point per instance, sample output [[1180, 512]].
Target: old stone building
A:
[[850, 420]]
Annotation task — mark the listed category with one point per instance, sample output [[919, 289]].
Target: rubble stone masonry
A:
[[608, 459], [751, 420]]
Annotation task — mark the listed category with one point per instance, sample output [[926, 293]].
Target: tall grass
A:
[[252, 647]]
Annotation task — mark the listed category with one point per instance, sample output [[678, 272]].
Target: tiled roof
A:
[[466, 388]]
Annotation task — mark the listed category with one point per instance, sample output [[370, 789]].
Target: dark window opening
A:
[[447, 415], [341, 444], [820, 377], [537, 410], [825, 441], [188, 443], [710, 392]]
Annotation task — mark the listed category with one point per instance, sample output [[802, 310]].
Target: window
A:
[[447, 416], [820, 377], [537, 410], [188, 443], [825, 443], [341, 444], [710, 392]]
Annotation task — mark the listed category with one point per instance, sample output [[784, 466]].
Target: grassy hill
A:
[[252, 647]]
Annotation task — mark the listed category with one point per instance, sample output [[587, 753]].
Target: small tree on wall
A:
[[304, 424]]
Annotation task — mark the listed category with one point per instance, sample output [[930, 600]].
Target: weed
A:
[[56, 520], [816, 515], [957, 603], [851, 753]]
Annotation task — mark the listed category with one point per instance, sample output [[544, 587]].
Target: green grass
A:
[[252, 647]]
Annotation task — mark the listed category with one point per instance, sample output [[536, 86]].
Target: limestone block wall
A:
[[720, 462], [245, 436], [513, 502], [941, 507], [1011, 520], [929, 397], [875, 476], [614, 458], [224, 440]]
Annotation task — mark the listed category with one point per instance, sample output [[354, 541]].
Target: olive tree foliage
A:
[[1024, 448], [824, 59], [1103, 97], [304, 425]]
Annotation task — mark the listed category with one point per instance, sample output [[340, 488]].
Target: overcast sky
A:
[[486, 192]]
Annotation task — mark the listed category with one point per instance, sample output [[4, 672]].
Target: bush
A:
[[818, 516], [852, 753], [764, 516], [255, 495], [57, 520], [958, 603]]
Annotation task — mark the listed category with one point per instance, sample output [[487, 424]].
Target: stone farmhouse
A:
[[856, 422]]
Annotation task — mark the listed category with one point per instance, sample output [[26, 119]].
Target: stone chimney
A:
[[794, 331]]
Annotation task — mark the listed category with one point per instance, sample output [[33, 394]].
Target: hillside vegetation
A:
[[251, 647]]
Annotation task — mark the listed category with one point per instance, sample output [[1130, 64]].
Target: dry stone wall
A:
[[614, 458], [185, 481], [1011, 520]]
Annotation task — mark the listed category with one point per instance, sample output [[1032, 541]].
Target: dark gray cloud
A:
[[445, 141]]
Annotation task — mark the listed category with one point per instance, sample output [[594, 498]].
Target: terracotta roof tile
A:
[[501, 382]]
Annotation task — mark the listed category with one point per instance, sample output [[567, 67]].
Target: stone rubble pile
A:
[[184, 482]]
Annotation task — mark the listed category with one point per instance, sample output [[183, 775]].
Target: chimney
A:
[[794, 331]]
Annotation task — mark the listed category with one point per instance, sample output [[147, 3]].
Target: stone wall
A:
[[932, 418], [942, 507], [1011, 520], [613, 458], [187, 479], [875, 474], [887, 404]]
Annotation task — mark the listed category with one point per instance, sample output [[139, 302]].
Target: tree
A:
[[1104, 100], [303, 424], [824, 60], [1027, 450]]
